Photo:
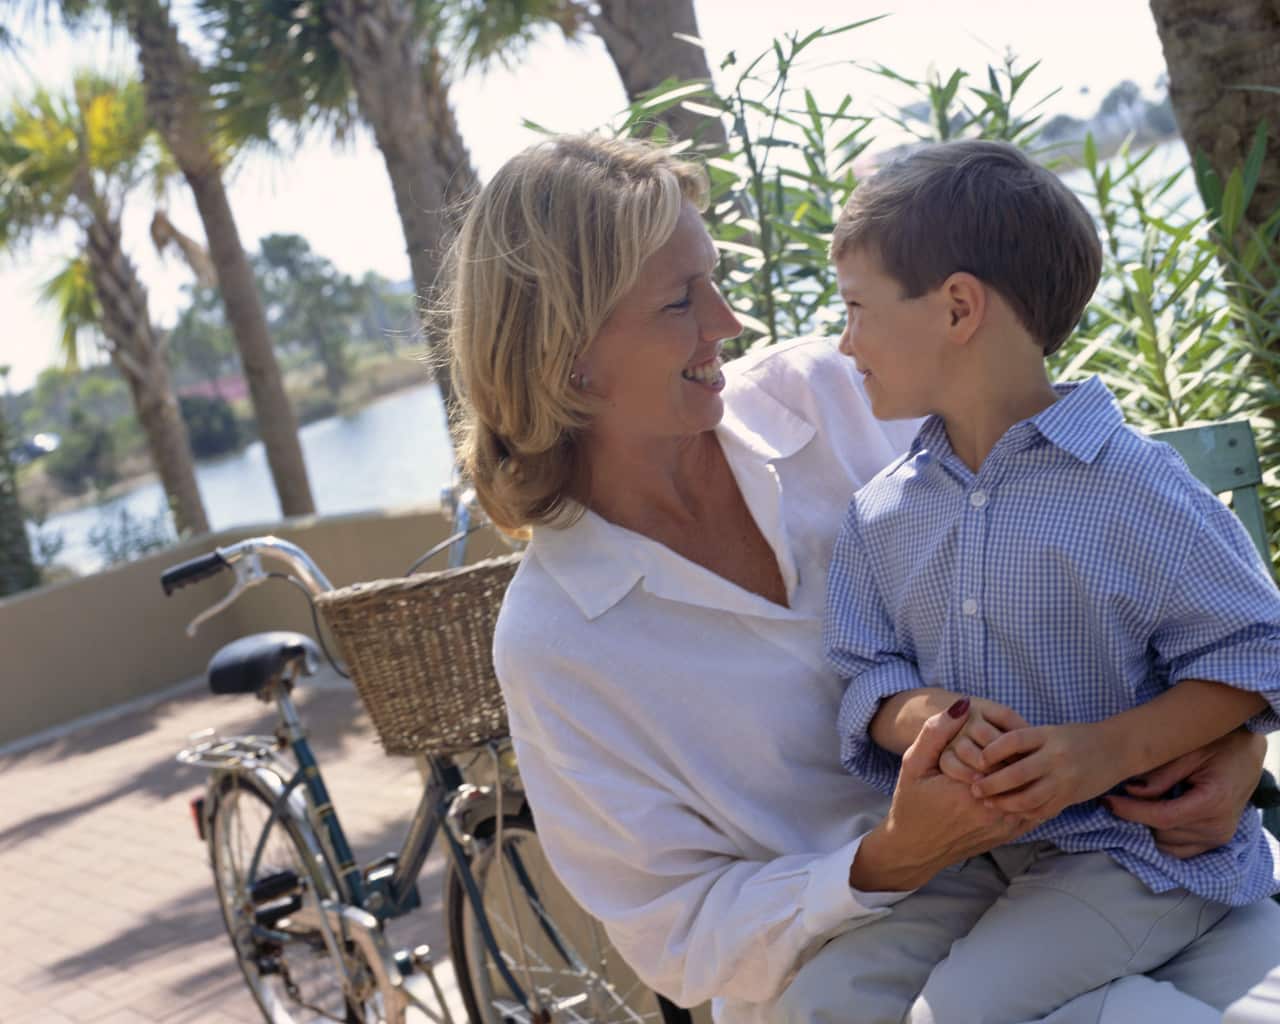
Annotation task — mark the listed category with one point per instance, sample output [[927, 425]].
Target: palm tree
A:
[[73, 161], [334, 62], [178, 105], [1224, 81], [177, 102], [647, 40]]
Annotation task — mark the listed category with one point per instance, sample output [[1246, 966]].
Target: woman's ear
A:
[[966, 299]]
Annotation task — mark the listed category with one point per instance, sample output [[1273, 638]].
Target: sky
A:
[[341, 200]]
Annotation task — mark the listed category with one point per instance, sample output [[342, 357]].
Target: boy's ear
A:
[[966, 305]]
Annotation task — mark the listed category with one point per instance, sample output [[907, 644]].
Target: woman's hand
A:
[[1219, 778], [933, 821]]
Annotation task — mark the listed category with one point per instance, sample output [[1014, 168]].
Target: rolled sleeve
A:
[[862, 646], [829, 900], [691, 916], [1222, 619]]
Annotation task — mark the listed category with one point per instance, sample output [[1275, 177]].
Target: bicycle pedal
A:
[[273, 887], [271, 914], [268, 965], [404, 961]]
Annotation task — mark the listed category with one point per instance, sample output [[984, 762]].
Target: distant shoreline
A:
[[37, 493]]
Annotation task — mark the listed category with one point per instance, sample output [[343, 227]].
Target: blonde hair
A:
[[545, 252]]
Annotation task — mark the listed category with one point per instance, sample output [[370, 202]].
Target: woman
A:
[[660, 649]]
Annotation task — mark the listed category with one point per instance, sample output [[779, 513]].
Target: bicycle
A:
[[306, 922]]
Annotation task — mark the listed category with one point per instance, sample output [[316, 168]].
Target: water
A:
[[393, 452]]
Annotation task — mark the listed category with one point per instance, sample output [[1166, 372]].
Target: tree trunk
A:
[[1214, 49], [176, 105], [640, 37], [403, 94], [17, 568], [140, 357]]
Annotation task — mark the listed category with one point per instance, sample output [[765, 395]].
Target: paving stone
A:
[[114, 919]]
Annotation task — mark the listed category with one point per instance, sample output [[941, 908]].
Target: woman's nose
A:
[[722, 322]]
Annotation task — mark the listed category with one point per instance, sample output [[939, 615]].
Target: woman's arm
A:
[[696, 918], [1219, 780]]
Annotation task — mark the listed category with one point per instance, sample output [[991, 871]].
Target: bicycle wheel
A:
[[549, 943], [290, 970]]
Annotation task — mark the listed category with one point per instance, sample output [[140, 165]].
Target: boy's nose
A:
[[846, 342]]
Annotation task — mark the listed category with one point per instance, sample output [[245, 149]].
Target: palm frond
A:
[[71, 294]]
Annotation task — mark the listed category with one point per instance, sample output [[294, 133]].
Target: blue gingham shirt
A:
[[1081, 571]]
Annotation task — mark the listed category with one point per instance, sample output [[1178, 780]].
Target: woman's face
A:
[[656, 362]]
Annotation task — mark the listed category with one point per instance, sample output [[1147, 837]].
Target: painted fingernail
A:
[[960, 708]]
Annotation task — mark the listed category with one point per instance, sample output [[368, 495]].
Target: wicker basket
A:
[[420, 651]]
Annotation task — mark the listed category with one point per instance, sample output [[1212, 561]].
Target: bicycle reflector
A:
[[197, 815]]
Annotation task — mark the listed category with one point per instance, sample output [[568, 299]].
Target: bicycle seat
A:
[[251, 663]]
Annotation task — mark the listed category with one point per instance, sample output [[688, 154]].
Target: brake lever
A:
[[249, 573]]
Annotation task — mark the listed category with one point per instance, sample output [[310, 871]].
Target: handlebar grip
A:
[[192, 571]]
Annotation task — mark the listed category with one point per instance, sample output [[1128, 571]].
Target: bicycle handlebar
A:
[[192, 571], [244, 558]]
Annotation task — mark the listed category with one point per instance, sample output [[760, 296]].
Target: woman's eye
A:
[[681, 305]]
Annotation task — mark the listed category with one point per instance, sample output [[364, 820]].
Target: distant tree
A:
[[332, 63], [86, 456], [388, 314], [1063, 128], [178, 104], [201, 344], [1160, 118], [212, 425], [1122, 97], [68, 162], [309, 303]]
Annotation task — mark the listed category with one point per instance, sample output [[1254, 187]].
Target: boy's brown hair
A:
[[988, 209]]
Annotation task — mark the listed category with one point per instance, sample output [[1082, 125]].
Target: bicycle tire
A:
[[599, 987], [241, 810]]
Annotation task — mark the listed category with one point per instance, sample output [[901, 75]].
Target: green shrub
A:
[[86, 457], [122, 537], [211, 425]]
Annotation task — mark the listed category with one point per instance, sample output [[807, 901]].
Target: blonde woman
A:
[[660, 648]]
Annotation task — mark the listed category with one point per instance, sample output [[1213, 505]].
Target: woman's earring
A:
[[578, 380]]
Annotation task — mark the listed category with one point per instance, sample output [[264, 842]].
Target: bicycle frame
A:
[[386, 889]]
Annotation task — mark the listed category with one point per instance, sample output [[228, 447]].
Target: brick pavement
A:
[[111, 915]]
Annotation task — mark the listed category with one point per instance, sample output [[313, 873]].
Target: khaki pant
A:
[[1049, 931]]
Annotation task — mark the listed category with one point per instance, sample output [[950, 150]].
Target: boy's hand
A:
[[962, 759], [1053, 767]]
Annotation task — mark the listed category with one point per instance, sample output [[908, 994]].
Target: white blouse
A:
[[677, 734]]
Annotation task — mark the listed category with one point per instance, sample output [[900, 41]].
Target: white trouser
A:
[[1048, 943]]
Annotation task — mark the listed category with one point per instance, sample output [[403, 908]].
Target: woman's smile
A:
[[708, 374]]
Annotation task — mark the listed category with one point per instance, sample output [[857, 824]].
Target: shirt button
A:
[[978, 498], [970, 606]]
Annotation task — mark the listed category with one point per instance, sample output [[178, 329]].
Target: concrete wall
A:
[[86, 645]]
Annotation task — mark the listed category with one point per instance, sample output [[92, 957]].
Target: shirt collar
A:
[[1081, 420], [597, 563], [1079, 423]]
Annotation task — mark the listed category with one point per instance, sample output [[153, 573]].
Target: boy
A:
[[1103, 611]]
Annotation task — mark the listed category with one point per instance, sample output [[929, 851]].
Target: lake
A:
[[392, 452]]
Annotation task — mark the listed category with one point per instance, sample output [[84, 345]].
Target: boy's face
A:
[[897, 343]]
